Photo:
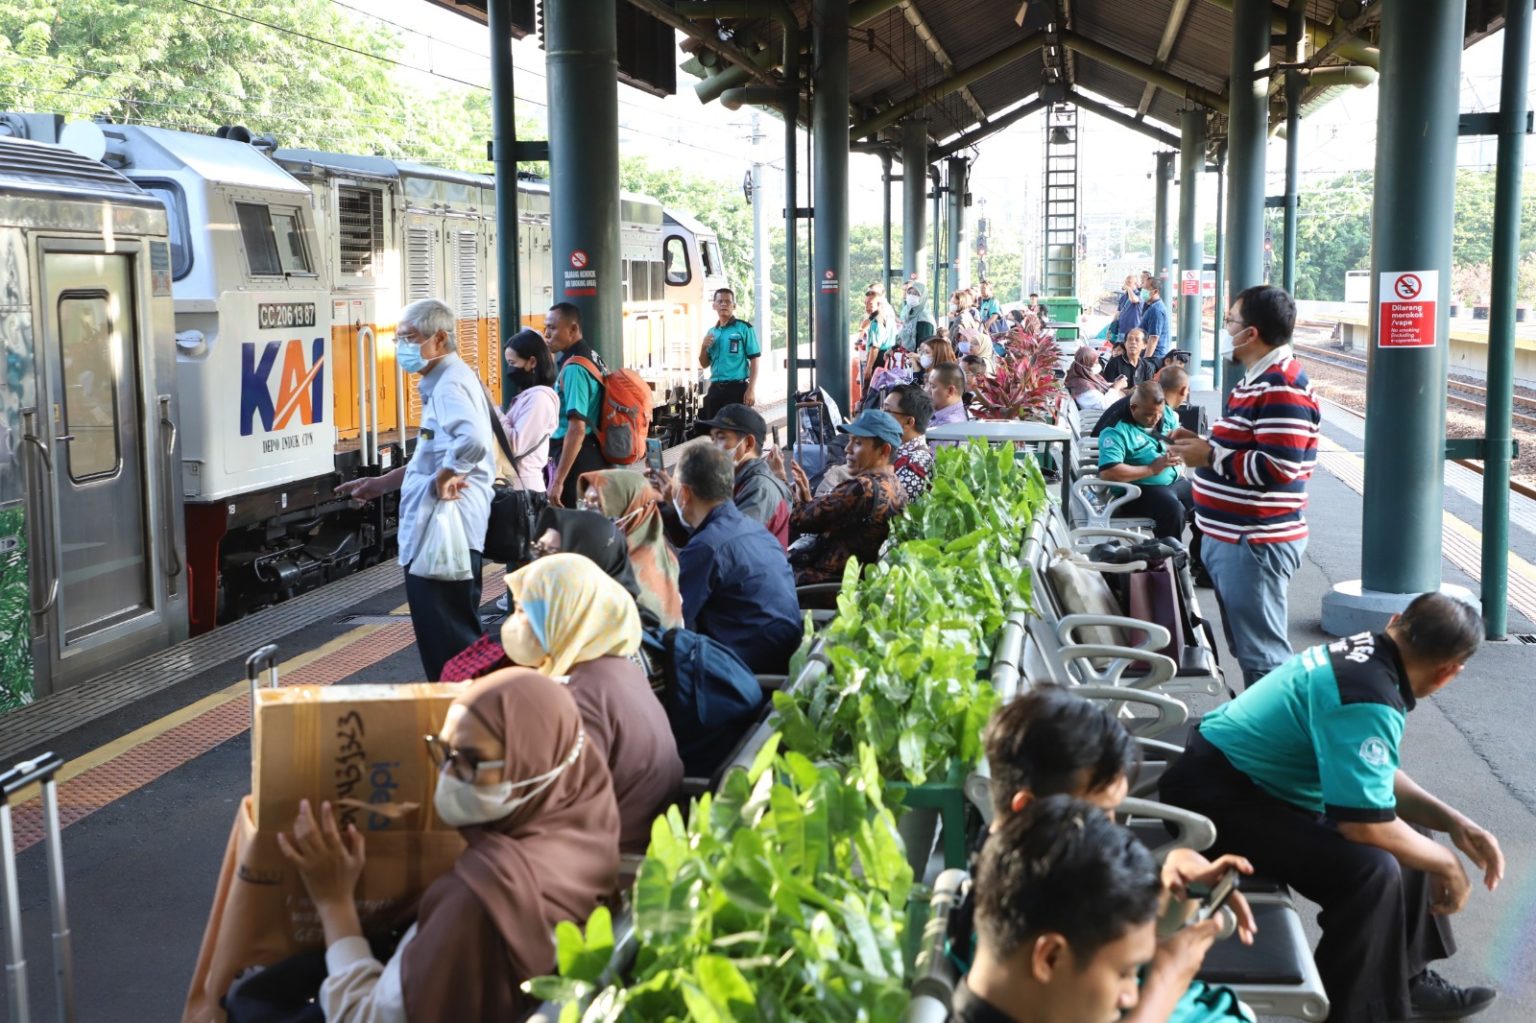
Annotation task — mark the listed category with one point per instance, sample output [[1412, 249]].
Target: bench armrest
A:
[[1155, 636], [1160, 668], [1193, 831], [1171, 713]]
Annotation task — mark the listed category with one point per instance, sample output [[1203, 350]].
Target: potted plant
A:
[[1023, 385]]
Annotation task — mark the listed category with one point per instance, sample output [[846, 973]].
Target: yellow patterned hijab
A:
[[568, 612]]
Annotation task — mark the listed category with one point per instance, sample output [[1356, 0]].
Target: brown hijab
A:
[[628, 498], [489, 925], [1083, 374]]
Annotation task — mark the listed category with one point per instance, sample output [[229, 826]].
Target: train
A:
[[199, 342]]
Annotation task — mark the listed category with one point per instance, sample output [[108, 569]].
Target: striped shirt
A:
[[1263, 451]]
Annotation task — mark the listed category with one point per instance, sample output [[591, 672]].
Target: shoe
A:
[[1202, 579], [1434, 997], [503, 603]]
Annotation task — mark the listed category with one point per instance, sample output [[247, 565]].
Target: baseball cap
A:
[[739, 418], [876, 423]]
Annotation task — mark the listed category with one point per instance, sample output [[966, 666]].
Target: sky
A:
[[683, 133]]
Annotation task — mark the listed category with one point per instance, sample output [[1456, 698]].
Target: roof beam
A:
[[961, 79], [925, 33], [1351, 48], [1164, 52], [1109, 113], [861, 12], [988, 129], [1094, 50]]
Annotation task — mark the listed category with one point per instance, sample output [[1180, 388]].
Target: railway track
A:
[[1354, 363]]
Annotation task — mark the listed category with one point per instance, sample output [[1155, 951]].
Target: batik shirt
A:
[[853, 520]]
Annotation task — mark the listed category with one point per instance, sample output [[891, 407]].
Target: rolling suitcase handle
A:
[[263, 659], [39, 769]]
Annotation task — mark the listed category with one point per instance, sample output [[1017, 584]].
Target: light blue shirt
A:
[[454, 410]]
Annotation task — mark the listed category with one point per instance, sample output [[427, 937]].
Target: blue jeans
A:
[[1251, 580]]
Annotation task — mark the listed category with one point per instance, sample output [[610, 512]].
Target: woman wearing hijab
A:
[[520, 779], [627, 497], [917, 323], [596, 538], [1084, 383], [572, 620]]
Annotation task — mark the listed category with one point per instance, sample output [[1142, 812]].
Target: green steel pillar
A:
[[581, 47], [914, 197], [504, 156], [829, 126], [1162, 241], [1295, 26], [955, 172], [1410, 273], [1501, 316], [1218, 362], [886, 277], [937, 195], [1191, 245], [1247, 133]]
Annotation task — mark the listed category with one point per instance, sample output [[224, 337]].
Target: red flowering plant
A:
[[1023, 383]]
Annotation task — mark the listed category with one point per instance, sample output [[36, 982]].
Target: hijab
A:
[[595, 538], [1083, 374], [568, 613], [625, 495], [488, 925]]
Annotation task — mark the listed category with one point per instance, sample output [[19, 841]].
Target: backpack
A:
[[624, 418], [710, 696]]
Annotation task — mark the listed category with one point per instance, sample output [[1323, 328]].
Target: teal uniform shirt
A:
[[730, 347], [1129, 443], [879, 337], [1322, 731], [988, 309], [581, 393]]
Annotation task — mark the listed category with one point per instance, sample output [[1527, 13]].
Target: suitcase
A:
[[39, 769]]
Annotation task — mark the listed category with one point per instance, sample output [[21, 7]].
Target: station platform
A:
[[153, 781]]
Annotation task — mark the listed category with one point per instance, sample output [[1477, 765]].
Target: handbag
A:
[[514, 508]]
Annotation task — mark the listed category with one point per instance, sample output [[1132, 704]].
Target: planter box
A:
[[934, 805]]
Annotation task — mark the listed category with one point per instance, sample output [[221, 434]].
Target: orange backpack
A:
[[624, 420]]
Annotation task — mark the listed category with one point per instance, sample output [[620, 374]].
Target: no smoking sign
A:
[[1405, 315], [578, 258]]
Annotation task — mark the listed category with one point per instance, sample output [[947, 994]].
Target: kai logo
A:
[[299, 389]]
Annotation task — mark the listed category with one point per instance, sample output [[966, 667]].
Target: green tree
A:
[[1004, 270]]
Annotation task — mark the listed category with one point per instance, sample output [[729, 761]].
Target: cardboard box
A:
[[355, 745], [262, 914]]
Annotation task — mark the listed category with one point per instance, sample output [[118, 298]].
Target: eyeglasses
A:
[[1232, 321], [461, 764], [539, 549]]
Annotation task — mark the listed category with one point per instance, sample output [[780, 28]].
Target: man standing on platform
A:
[[1154, 322], [730, 351], [1251, 480]]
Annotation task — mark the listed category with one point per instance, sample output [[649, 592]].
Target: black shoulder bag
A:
[[514, 508]]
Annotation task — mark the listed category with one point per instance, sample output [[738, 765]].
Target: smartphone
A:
[[653, 455], [1218, 896]]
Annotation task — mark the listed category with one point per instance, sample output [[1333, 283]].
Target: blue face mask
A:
[[408, 355]]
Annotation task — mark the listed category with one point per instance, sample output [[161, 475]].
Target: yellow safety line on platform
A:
[[1461, 543], [158, 727]]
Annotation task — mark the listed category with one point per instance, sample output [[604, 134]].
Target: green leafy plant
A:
[[780, 898]]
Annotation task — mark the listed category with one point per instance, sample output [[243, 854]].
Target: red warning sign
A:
[[578, 258], [1189, 282], [1405, 314]]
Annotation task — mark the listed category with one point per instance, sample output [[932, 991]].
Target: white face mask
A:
[[912, 301], [964, 348], [463, 804], [925, 361], [678, 506]]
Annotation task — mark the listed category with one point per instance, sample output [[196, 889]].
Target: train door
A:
[[97, 550]]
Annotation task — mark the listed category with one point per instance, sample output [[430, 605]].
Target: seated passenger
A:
[[1050, 742], [854, 519], [1300, 774], [946, 390], [571, 619], [912, 409], [737, 585], [626, 497], [759, 494], [1136, 451], [1175, 382], [931, 353], [595, 537], [1085, 385], [1066, 911], [1134, 366], [534, 803], [975, 368]]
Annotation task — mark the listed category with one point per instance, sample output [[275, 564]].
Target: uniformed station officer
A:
[[1300, 774], [730, 351]]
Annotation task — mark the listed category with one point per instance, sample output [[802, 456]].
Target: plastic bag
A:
[[444, 549]]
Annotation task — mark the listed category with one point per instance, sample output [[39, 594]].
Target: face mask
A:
[[733, 451], [912, 301], [925, 361], [678, 506], [408, 355], [1229, 345], [964, 348], [520, 643], [522, 378], [463, 804]]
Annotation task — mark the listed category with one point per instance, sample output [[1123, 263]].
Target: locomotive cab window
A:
[[89, 349], [675, 255], [711, 254], [175, 202], [274, 239]]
